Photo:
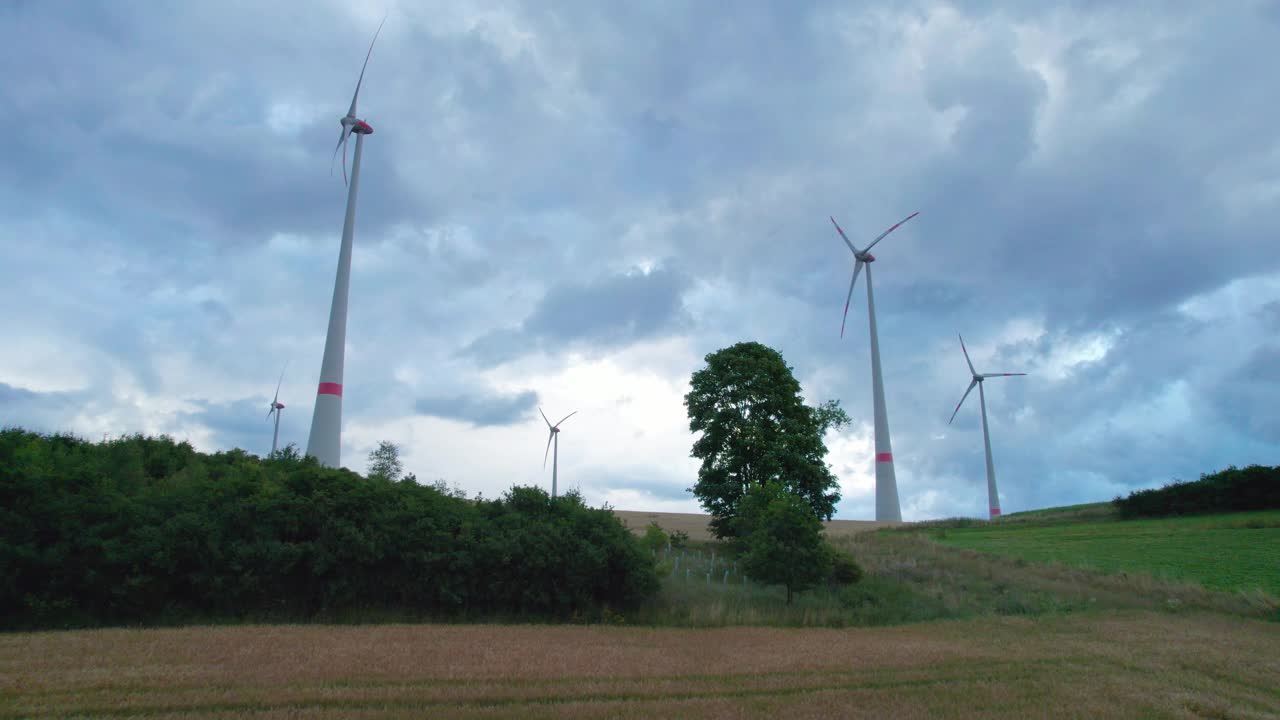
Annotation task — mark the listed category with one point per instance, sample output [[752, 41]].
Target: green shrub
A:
[[654, 537], [142, 529], [1256, 487], [844, 569]]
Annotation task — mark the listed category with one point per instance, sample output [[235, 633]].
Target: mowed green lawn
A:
[[1239, 551]]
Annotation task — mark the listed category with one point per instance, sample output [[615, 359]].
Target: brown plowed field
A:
[[1098, 665]]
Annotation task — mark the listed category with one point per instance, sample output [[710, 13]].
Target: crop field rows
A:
[[1168, 665]]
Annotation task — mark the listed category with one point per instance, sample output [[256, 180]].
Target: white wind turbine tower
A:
[[887, 507], [276, 407], [325, 440], [993, 496], [553, 438]]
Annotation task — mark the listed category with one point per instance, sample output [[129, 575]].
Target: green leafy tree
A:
[[782, 541], [384, 462], [756, 429], [655, 538], [454, 491]]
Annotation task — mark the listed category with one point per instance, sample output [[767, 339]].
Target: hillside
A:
[[1226, 552], [695, 524]]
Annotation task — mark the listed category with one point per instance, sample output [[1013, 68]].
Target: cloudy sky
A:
[[571, 203]]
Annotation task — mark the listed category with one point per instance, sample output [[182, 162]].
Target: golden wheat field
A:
[[1108, 665], [696, 524]]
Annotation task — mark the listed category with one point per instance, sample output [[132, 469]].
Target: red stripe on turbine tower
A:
[[884, 457], [330, 389], [995, 511]]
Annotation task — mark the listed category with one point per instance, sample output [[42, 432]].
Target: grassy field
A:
[[910, 578], [1047, 561], [1234, 552], [1167, 666]]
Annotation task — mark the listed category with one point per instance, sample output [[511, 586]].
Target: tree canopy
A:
[[384, 462], [755, 429]]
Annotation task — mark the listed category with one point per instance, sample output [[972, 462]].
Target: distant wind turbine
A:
[[276, 407], [887, 507], [553, 438], [993, 496], [325, 440]]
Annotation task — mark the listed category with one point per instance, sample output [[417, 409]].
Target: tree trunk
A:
[[788, 594]]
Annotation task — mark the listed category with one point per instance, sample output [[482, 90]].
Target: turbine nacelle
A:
[[862, 257], [276, 405], [553, 430], [352, 125], [977, 378], [355, 125]]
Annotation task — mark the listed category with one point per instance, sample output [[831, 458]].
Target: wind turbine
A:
[[276, 407], [553, 438], [887, 507], [325, 440], [993, 496]]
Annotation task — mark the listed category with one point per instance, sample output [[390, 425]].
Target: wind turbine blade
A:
[[962, 398], [966, 355], [544, 417], [857, 268], [273, 409], [566, 417], [342, 139], [279, 382], [886, 232], [550, 436], [844, 237], [352, 112], [990, 375], [344, 158]]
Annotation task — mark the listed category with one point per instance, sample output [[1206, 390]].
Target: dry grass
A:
[[1127, 664], [696, 525]]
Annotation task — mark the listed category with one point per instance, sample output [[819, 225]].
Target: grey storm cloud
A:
[[478, 408], [610, 312], [1247, 397], [13, 395], [38, 411], [1096, 187]]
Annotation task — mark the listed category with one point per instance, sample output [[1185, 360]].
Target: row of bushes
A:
[[141, 529], [1256, 487]]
